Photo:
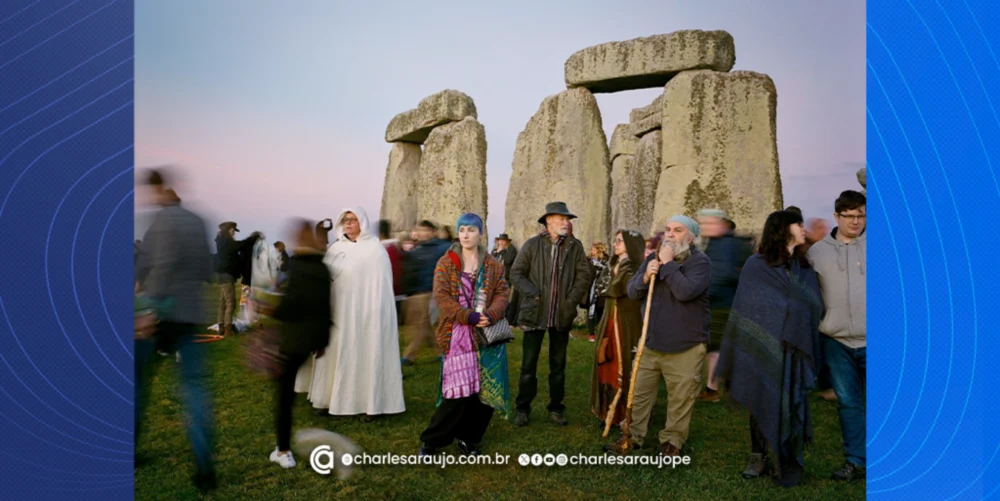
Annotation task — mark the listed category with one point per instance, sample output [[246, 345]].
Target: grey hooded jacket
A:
[[841, 268]]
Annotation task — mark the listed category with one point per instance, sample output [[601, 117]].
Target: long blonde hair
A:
[[602, 250]]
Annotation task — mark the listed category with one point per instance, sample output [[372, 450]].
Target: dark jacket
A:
[[305, 310], [679, 315], [174, 263], [727, 254], [506, 257], [419, 264], [228, 253], [532, 276]]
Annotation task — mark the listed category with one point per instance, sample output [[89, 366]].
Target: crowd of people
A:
[[761, 321]]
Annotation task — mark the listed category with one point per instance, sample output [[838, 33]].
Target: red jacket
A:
[[396, 258]]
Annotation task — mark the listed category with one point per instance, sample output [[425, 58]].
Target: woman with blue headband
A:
[[471, 293]]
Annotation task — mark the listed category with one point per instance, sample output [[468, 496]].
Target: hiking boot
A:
[[557, 418], [521, 419], [756, 467], [708, 395], [668, 449], [205, 481], [849, 472], [621, 447], [467, 448]]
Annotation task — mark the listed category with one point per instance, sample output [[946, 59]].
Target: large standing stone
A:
[[623, 142], [650, 61], [633, 185], [863, 178], [719, 147], [453, 173], [399, 192], [415, 125], [561, 155]]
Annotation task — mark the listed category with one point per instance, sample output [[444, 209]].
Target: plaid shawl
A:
[[769, 350]]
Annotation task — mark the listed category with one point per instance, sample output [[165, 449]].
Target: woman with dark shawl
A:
[[768, 354], [614, 351]]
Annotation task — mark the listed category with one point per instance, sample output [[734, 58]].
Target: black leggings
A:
[[286, 399]]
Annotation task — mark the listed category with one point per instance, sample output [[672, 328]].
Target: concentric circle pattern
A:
[[66, 211], [933, 125]]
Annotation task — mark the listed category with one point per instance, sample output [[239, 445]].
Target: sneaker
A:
[[849, 472], [521, 419], [286, 460], [557, 418], [756, 467], [709, 395], [593, 338], [467, 448]]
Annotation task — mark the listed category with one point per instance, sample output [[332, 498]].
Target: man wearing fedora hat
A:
[[552, 275], [504, 252]]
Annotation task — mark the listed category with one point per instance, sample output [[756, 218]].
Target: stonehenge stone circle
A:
[[453, 173], [415, 125], [399, 193]]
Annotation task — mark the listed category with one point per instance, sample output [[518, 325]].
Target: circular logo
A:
[[322, 453], [550, 460], [562, 460], [536, 459], [347, 459], [524, 460]]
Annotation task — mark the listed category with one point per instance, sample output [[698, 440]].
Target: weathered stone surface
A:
[[561, 155], [453, 173], [633, 185], [399, 192], [654, 108], [719, 147], [863, 178], [646, 125], [415, 125], [649, 62], [623, 142]]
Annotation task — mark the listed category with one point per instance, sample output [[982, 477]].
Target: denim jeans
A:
[[847, 373], [194, 383]]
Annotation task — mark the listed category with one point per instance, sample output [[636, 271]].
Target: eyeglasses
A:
[[619, 241], [854, 218], [350, 220]]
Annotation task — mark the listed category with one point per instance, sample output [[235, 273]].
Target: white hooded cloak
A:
[[360, 372]]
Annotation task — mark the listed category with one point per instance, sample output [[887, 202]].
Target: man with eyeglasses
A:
[[839, 259]]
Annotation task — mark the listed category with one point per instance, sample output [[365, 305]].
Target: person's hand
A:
[[484, 321], [652, 269], [145, 326], [138, 287], [666, 253]]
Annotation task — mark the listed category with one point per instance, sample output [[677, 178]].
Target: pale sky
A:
[[278, 109]]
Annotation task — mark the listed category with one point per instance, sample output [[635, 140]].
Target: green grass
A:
[[245, 437]]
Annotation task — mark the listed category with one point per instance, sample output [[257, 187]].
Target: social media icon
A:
[[347, 459], [524, 459], [550, 460], [562, 460], [319, 454], [536, 459]]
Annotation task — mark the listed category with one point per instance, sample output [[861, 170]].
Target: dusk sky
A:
[[278, 109]]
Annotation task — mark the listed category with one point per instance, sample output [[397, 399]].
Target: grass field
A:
[[718, 446]]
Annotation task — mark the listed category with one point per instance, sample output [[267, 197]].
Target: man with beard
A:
[[676, 337], [552, 275]]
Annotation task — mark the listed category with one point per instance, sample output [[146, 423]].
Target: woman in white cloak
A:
[[360, 371]]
